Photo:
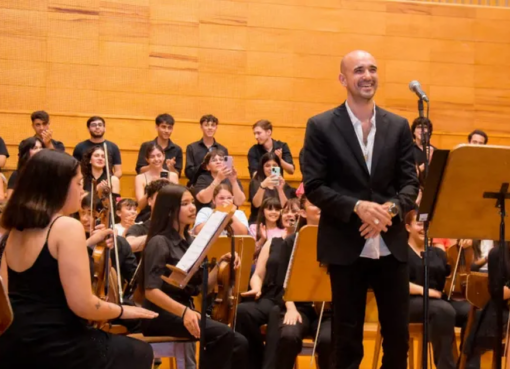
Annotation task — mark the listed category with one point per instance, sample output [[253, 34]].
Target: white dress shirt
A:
[[374, 247]]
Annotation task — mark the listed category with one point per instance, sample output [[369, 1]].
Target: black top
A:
[[204, 181], [257, 150], [87, 180], [3, 148], [137, 230], [171, 151], [195, 154], [276, 267], [289, 191], [45, 330], [164, 249], [59, 146], [12, 180], [113, 150], [438, 268], [419, 154]]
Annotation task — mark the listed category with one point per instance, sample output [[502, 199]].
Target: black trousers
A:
[[252, 315], [224, 349], [461, 316], [389, 279], [441, 328], [291, 337]]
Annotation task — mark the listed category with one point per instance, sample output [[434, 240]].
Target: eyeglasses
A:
[[96, 125]]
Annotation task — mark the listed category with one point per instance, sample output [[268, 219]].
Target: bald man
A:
[[360, 172]]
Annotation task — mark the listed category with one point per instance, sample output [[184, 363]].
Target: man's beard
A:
[[94, 135]]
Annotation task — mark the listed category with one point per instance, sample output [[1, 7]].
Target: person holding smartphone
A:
[[268, 182]]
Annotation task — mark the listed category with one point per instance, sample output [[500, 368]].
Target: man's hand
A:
[[170, 164], [375, 218], [279, 153], [46, 137]]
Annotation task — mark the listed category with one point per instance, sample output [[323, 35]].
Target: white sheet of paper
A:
[[201, 241]]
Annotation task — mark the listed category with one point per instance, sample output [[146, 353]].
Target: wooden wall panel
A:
[[130, 60]]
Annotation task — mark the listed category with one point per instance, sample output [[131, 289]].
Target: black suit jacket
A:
[[336, 177]]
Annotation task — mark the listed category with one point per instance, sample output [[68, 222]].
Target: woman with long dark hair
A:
[[27, 149], [93, 167], [46, 268], [167, 242], [265, 184]]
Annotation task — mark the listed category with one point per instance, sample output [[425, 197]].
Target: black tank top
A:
[[276, 267], [45, 330]]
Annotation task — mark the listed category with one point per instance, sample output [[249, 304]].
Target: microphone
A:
[[416, 88]]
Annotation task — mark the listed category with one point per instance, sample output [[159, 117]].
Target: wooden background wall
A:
[[129, 60]]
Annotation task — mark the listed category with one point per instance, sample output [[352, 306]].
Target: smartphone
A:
[[163, 175], [275, 171], [229, 161]]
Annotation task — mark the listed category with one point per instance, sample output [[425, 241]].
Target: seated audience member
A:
[[137, 233], [441, 313], [155, 156], [93, 167], [481, 250], [222, 196], [269, 223], [28, 148], [97, 129], [266, 294], [126, 213], [172, 153], [41, 126], [196, 151], [478, 137], [216, 173], [264, 184], [263, 129], [4, 153], [419, 152]]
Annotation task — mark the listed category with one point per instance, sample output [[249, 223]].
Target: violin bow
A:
[[317, 334], [454, 276], [92, 218], [112, 221]]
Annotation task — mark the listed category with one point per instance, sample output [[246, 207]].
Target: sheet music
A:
[[201, 241]]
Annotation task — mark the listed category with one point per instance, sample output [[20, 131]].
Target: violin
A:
[[227, 291], [461, 259]]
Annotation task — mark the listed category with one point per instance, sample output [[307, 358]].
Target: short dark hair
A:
[[211, 155], [208, 118], [156, 186], [418, 121], [480, 133], [130, 203], [94, 118], [264, 124], [165, 118], [41, 190], [40, 114], [268, 203], [24, 150]]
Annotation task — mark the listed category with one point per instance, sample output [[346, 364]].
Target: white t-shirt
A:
[[206, 212]]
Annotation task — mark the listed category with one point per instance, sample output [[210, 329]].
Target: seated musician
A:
[[269, 223], [223, 196], [46, 268], [125, 212], [168, 240], [300, 319], [136, 235], [93, 166], [481, 249], [441, 312], [155, 156], [264, 184], [267, 290]]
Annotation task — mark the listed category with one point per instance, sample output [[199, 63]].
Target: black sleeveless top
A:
[[276, 268], [45, 331]]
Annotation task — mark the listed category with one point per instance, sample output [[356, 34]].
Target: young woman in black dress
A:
[[167, 242], [46, 268]]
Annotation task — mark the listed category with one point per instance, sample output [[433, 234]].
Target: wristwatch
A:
[[393, 210]]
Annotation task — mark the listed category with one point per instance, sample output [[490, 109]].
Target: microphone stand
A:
[[425, 141]]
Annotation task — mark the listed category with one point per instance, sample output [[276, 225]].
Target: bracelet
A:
[[184, 313], [264, 188], [121, 311]]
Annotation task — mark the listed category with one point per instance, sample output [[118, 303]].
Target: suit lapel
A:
[[380, 136], [344, 124]]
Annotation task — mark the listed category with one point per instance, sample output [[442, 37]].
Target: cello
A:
[[460, 256]]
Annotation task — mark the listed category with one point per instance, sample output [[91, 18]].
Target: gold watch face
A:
[[393, 210]]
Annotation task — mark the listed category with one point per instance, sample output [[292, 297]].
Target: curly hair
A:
[[86, 167]]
